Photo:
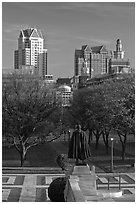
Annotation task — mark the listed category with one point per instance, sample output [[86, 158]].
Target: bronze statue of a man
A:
[[78, 146]]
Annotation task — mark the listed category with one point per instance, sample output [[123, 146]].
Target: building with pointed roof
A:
[[31, 51], [95, 64], [91, 61]]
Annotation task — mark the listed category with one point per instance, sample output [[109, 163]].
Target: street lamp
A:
[[68, 137], [112, 139]]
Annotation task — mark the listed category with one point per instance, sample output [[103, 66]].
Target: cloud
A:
[[12, 28], [103, 5], [55, 38], [10, 32], [9, 39], [53, 49], [57, 64], [100, 8], [93, 40]]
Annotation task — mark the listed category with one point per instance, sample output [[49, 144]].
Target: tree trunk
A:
[[123, 152], [22, 156], [97, 141], [21, 160], [105, 139], [90, 138], [97, 134], [123, 143], [106, 145]]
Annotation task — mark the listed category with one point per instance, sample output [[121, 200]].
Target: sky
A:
[[67, 26]]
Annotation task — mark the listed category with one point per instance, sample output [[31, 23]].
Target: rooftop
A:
[[65, 88], [31, 32]]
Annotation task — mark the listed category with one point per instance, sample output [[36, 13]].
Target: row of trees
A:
[[106, 107], [30, 112]]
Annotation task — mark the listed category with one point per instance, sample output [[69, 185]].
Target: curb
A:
[[31, 170]]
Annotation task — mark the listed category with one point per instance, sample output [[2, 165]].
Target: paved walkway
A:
[[34, 187]]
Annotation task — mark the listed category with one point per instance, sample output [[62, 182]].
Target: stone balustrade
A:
[[81, 187]]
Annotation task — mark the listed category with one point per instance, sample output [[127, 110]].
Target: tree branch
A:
[[32, 145], [15, 144], [55, 138], [120, 137]]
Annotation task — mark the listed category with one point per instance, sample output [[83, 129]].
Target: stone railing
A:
[[81, 187]]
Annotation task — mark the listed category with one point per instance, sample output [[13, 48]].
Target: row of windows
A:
[[92, 56], [36, 47], [91, 60], [36, 42]]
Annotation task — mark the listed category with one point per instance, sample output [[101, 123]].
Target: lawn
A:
[[103, 161], [44, 155]]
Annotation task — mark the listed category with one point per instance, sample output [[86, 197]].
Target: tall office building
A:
[[91, 61], [31, 53]]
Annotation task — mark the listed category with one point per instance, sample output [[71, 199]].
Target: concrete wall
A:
[[81, 187], [81, 180]]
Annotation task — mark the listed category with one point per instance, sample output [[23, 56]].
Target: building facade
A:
[[64, 81], [118, 64], [48, 80], [64, 95], [31, 51], [95, 64], [91, 61]]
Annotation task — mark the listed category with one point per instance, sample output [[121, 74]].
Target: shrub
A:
[[56, 189], [62, 161]]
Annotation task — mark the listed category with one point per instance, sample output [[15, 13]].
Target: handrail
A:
[[109, 182], [119, 181]]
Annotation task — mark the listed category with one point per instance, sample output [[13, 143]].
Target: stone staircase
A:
[[81, 187]]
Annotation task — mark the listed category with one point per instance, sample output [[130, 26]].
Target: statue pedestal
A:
[[82, 181], [81, 187], [81, 170]]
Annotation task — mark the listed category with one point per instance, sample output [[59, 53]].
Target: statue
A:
[[78, 146]]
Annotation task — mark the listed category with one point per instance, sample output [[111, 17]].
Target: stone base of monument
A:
[[81, 187], [113, 193], [104, 196]]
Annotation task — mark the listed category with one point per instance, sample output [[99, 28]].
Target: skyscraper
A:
[[31, 52]]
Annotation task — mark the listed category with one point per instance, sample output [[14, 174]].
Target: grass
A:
[[44, 155], [103, 161]]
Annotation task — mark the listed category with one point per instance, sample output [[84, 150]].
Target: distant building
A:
[[79, 82], [94, 65], [102, 78], [31, 51], [117, 63], [8, 78], [91, 61], [63, 81], [64, 95], [48, 79], [25, 69], [42, 64]]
